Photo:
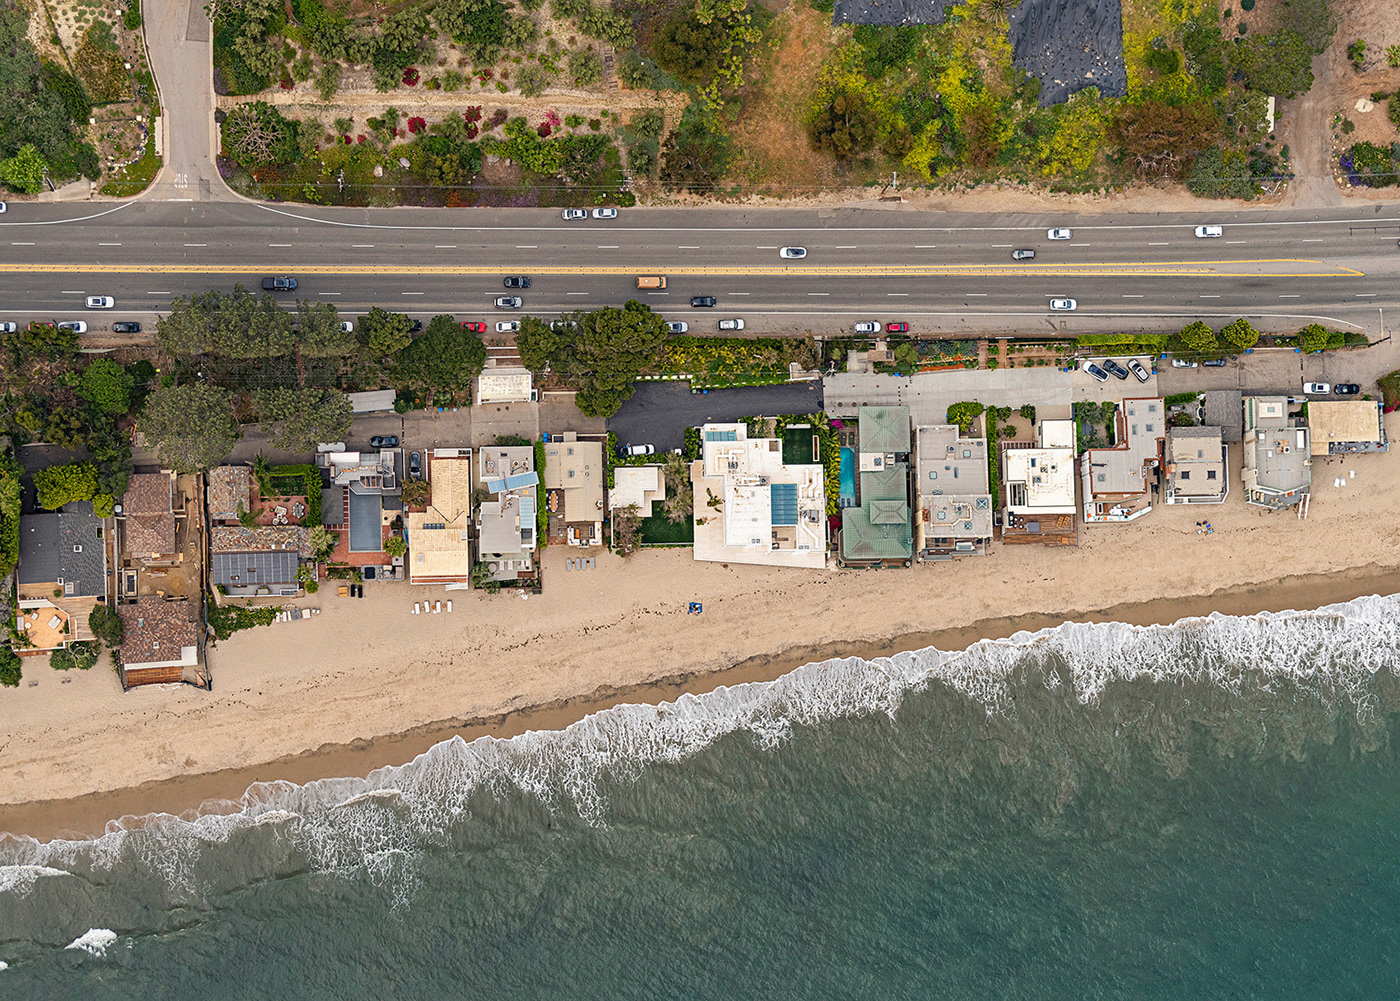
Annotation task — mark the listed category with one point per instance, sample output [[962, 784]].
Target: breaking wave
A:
[[378, 827], [94, 941]]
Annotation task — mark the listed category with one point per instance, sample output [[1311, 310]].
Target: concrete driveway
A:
[[180, 40], [659, 412], [929, 394], [1086, 387]]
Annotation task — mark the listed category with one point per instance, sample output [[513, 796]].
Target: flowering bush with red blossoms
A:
[[552, 117], [360, 139], [347, 139], [544, 130], [416, 125], [285, 83], [410, 77], [472, 130], [472, 114]]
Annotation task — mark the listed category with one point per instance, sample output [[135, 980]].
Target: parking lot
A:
[[659, 412], [1086, 387]]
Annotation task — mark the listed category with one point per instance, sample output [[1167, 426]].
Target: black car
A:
[[1115, 369], [126, 327], [415, 464], [703, 300], [384, 441], [1214, 363], [414, 326], [1345, 388], [279, 284], [517, 282]]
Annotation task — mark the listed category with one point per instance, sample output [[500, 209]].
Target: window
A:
[[1210, 474], [1186, 474], [933, 474], [967, 453], [77, 549]]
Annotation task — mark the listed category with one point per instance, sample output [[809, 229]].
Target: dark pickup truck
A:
[[279, 284]]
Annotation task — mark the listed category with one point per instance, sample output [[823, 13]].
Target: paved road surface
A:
[[179, 38]]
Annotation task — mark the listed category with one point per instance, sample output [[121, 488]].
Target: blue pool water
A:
[[848, 477]]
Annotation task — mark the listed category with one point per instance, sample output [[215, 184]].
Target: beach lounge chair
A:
[[437, 607], [449, 604], [415, 609]]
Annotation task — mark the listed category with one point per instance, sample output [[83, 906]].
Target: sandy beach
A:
[[366, 683]]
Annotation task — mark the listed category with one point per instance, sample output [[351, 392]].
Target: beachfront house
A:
[[507, 521], [160, 641], [361, 497], [258, 562], [639, 486], [146, 520], [756, 508], [440, 536], [1196, 471], [1277, 454], [1039, 501], [954, 516], [228, 494], [879, 529], [1117, 482], [1346, 427], [573, 482]]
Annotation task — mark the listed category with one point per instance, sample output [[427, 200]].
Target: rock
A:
[[1363, 105], [492, 158], [403, 162], [379, 170]]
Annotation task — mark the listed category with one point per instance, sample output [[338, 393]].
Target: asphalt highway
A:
[[938, 272]]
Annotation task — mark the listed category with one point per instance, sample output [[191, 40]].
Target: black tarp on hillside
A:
[[1070, 45]]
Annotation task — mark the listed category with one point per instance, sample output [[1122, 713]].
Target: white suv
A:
[[1206, 232], [100, 302]]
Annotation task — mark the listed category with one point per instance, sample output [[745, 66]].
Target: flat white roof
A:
[[639, 485], [503, 387], [1048, 474], [1057, 434]]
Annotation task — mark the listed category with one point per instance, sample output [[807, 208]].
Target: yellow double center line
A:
[[1262, 268]]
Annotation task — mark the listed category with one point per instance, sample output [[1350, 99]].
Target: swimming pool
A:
[[848, 477]]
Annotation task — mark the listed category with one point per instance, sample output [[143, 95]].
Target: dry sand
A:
[[368, 669]]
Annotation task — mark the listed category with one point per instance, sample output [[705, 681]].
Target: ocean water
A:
[[1206, 810]]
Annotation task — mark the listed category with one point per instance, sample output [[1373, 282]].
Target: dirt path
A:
[[573, 99], [1311, 127]]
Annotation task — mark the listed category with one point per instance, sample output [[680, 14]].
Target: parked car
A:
[[347, 327], [475, 327], [509, 302], [639, 450], [326, 447], [384, 441], [1346, 388], [126, 327], [1214, 363], [100, 302], [896, 328], [1023, 255], [562, 325], [867, 327], [517, 281], [793, 253], [1182, 363], [735, 324], [414, 326], [507, 327], [1063, 305], [707, 301], [77, 326], [1095, 371], [676, 327], [1317, 388], [2, 208], [1059, 234], [283, 284], [415, 464], [605, 213], [1207, 232], [571, 215], [1140, 373], [1114, 369], [8, 327]]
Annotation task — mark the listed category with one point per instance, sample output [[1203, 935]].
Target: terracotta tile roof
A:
[[155, 631], [237, 539], [150, 522]]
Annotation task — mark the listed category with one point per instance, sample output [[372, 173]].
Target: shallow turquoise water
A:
[[1174, 837]]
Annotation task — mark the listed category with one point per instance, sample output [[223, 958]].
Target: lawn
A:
[[801, 445], [660, 530], [134, 178]]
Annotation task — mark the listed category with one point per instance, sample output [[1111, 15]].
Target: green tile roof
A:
[[881, 528], [884, 429]]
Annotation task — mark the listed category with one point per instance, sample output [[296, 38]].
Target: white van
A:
[[1205, 232]]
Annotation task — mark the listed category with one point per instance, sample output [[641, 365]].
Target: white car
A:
[[1058, 234], [100, 302], [77, 326], [1317, 388], [676, 327], [605, 213], [346, 327], [1207, 232], [8, 327], [793, 253], [1183, 363], [867, 327], [735, 324], [507, 326], [1064, 305], [2, 208], [639, 450], [570, 215]]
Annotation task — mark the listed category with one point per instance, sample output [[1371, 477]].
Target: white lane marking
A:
[[527, 246], [328, 293], [1210, 297], [658, 293], [411, 293], [445, 246], [1228, 242], [30, 245], [196, 245], [361, 246], [1365, 295], [925, 246], [848, 247], [687, 248], [1310, 241], [72, 291], [970, 295], [897, 293], [157, 293], [738, 293], [279, 244], [1159, 244], [819, 293], [575, 293], [1132, 297], [1289, 296], [607, 246], [1002, 246], [100, 245]]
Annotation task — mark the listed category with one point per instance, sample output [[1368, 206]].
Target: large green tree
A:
[[236, 325], [107, 386], [446, 358], [11, 496], [1280, 65], [25, 170], [601, 352], [319, 334], [843, 123], [1161, 139], [192, 427], [305, 417], [1240, 335], [385, 333], [1198, 337], [59, 485]]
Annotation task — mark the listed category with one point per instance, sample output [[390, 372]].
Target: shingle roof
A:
[[155, 631], [150, 522], [63, 546], [1223, 410]]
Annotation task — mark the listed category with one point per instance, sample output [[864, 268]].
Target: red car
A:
[[896, 328], [474, 327]]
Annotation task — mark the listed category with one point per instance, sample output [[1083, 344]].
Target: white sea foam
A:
[[21, 878], [4, 966], [94, 941], [378, 826]]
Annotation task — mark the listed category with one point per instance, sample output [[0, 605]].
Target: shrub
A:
[[1369, 165], [963, 414], [9, 668], [79, 656], [1198, 337], [452, 81], [1356, 52], [585, 67], [1392, 56], [106, 625], [132, 16], [1178, 399], [532, 80], [1240, 335]]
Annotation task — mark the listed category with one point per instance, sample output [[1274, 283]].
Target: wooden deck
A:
[[1055, 530], [153, 676]]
